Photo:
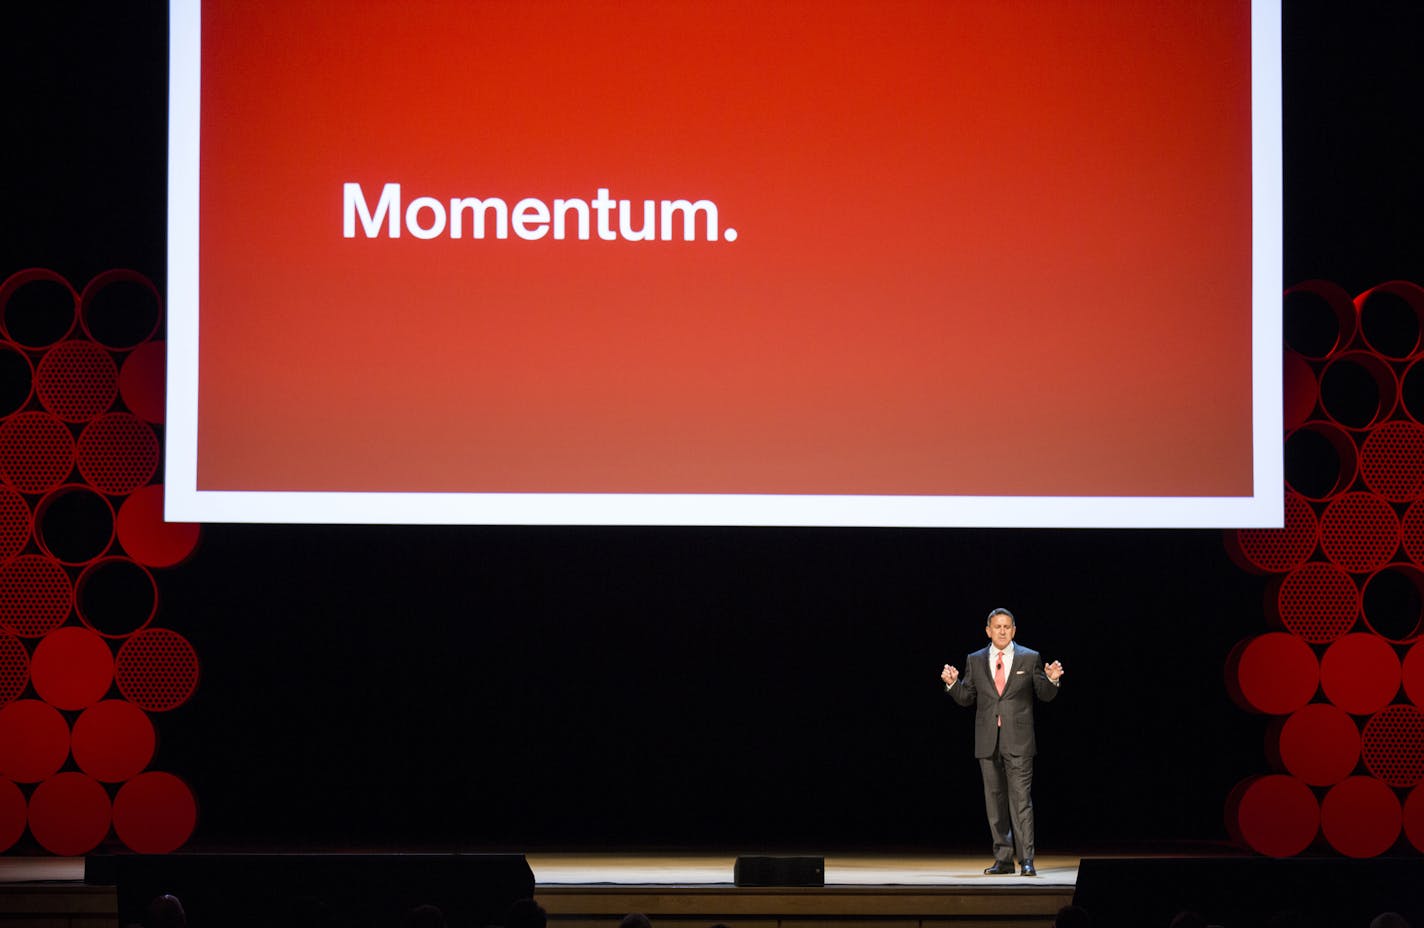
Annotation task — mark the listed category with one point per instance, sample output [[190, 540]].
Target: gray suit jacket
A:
[[975, 687]]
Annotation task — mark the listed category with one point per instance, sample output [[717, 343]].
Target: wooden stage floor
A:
[[674, 890]]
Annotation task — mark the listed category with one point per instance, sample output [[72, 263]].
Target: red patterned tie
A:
[[999, 681]]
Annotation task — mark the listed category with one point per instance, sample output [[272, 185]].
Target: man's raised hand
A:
[[949, 675], [1053, 671]]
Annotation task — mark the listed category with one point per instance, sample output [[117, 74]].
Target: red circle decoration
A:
[[141, 381], [117, 453], [1407, 291], [1378, 370], [1275, 815], [1319, 743], [14, 668], [1347, 317], [16, 523], [1413, 674], [1392, 461], [69, 814], [1301, 390], [157, 669], [113, 741], [1274, 550], [1393, 745], [146, 537], [1318, 602], [1411, 532], [1395, 620], [77, 380], [12, 814], [72, 668], [101, 529], [36, 452], [118, 276], [1345, 449], [84, 603], [1360, 673], [1358, 531], [1414, 818], [154, 813], [35, 595], [1361, 817], [31, 275], [1274, 673], [34, 741]]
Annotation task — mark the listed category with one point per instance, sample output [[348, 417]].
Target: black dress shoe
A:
[[1028, 869], [1000, 869]]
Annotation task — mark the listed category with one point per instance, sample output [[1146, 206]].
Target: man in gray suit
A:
[[1001, 681]]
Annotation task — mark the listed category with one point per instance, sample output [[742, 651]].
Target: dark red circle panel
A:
[[1393, 745], [1318, 602], [157, 669], [1413, 673], [1274, 673], [1414, 818], [69, 814], [12, 814], [1275, 815], [74, 524], [154, 813], [1392, 461], [77, 380], [14, 668], [1360, 673], [34, 741], [146, 537], [36, 452], [116, 597], [141, 381], [72, 668], [117, 453], [113, 741], [38, 307], [1361, 817], [120, 308], [1358, 531], [1319, 743], [16, 523], [35, 595], [1274, 550]]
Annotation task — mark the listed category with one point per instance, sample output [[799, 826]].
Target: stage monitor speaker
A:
[[1330, 893], [276, 890], [779, 871]]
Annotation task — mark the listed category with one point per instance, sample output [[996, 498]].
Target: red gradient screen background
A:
[[983, 249]]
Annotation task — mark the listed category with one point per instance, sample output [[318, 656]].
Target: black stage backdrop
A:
[[734, 688]]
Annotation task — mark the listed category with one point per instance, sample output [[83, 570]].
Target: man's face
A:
[[1000, 631]]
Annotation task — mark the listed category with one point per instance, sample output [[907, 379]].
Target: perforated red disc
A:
[[12, 814], [1275, 815], [1360, 817], [1360, 673], [77, 380], [14, 668], [117, 453], [1319, 743], [1359, 531], [15, 523], [154, 813], [1275, 550], [1318, 602], [69, 814], [72, 668], [113, 741], [1392, 461], [157, 669], [36, 452], [34, 741], [146, 537], [141, 381], [1393, 745], [36, 595], [1411, 532], [1274, 673]]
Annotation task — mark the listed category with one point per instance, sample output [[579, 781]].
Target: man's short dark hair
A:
[[1000, 611]]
